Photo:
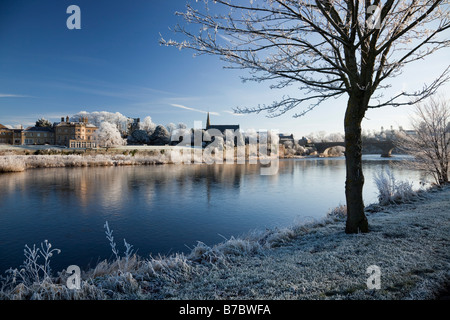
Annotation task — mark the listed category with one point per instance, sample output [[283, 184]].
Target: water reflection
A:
[[161, 209]]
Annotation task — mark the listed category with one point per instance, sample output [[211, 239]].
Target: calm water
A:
[[164, 209]]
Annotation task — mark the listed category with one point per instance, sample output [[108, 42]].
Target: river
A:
[[163, 209]]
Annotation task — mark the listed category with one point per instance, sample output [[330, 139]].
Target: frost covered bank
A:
[[20, 159], [409, 243], [18, 163]]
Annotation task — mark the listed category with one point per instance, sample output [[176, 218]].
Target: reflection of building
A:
[[75, 134], [221, 128]]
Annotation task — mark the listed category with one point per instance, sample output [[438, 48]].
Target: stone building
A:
[[75, 134], [286, 138], [6, 135], [220, 127], [11, 136], [39, 135]]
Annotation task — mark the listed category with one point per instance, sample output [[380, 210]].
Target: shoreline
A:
[[409, 242], [19, 161]]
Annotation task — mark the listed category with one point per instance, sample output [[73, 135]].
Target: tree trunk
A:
[[356, 219]]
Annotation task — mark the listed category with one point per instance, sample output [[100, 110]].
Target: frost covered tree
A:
[[335, 137], [160, 136], [147, 125], [329, 49], [108, 135], [98, 117], [429, 142], [139, 137], [171, 127], [43, 123]]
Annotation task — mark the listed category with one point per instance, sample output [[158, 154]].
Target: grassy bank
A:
[[317, 260], [18, 159]]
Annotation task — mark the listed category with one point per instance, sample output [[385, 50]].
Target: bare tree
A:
[[429, 142], [329, 48]]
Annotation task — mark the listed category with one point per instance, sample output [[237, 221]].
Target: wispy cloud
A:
[[192, 109], [10, 95], [224, 38]]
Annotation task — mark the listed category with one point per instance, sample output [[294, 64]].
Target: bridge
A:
[[385, 147]]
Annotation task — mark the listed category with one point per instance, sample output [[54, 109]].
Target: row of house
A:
[[71, 134]]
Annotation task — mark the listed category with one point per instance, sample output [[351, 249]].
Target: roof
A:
[[39, 129], [69, 124], [222, 128], [286, 136]]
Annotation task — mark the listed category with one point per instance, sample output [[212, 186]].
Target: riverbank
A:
[[21, 158], [408, 242]]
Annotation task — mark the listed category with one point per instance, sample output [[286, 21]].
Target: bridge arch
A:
[[322, 146], [385, 147], [387, 152], [326, 152]]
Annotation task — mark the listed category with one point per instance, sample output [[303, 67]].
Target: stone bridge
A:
[[385, 147]]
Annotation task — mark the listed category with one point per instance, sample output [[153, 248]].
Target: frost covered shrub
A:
[[391, 191], [32, 271], [12, 164], [21, 162], [236, 246], [339, 212], [128, 251], [202, 253]]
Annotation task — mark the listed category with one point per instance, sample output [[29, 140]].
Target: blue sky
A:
[[115, 63]]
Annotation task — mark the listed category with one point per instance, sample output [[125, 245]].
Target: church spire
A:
[[208, 122]]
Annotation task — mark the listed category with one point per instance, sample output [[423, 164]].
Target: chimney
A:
[[62, 119], [67, 119]]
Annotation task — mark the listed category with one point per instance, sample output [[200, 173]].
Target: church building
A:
[[221, 127]]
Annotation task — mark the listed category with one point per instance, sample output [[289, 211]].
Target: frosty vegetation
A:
[[393, 191], [309, 260], [430, 143], [215, 153], [108, 135], [18, 163]]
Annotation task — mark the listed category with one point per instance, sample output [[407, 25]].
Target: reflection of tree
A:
[[115, 188]]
